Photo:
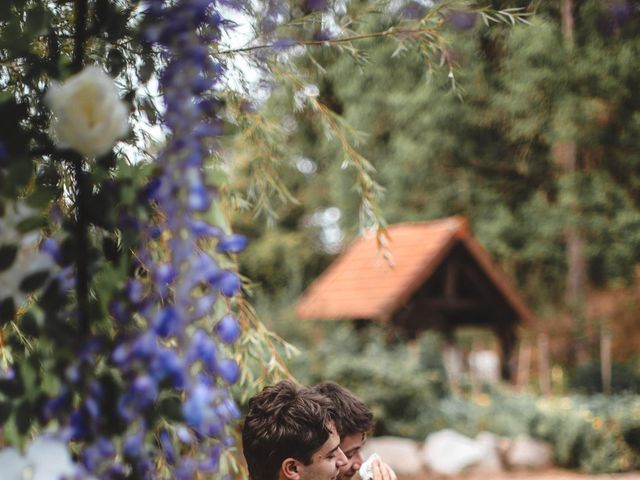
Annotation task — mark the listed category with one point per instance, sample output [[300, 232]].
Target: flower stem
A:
[[80, 27], [82, 250], [82, 269]]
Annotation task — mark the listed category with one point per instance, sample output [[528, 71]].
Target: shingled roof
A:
[[362, 284]]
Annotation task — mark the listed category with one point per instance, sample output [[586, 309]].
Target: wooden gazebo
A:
[[434, 275]]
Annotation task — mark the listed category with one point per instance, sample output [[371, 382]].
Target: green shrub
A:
[[391, 380], [594, 434], [407, 391], [625, 377]]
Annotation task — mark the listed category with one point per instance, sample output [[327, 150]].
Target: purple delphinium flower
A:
[[168, 346], [176, 349]]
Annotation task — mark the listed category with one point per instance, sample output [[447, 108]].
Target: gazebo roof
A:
[[362, 284]]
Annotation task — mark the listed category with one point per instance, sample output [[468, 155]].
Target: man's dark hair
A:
[[284, 420], [352, 415]]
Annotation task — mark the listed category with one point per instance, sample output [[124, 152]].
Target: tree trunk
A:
[[566, 156]]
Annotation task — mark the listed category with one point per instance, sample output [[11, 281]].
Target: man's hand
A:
[[382, 471]]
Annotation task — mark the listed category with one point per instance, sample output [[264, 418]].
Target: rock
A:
[[526, 453], [491, 461], [448, 452], [402, 454]]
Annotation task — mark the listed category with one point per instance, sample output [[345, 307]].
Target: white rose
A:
[[46, 459], [88, 113]]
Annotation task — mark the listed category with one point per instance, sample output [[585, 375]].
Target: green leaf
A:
[[29, 325], [30, 224], [5, 411], [7, 310], [12, 387], [115, 62], [20, 172], [23, 416], [34, 281], [5, 11], [8, 254], [37, 21], [41, 197], [170, 408]]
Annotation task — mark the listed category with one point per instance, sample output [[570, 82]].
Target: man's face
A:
[[326, 462], [351, 445]]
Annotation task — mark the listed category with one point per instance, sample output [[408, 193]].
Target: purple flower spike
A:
[[167, 322], [228, 329], [228, 282], [165, 273], [204, 349], [144, 391], [198, 199], [52, 248], [233, 243], [132, 445], [186, 470], [175, 296], [168, 365], [196, 406], [203, 229], [229, 371], [78, 425], [144, 346], [135, 291], [184, 435], [119, 312], [167, 446]]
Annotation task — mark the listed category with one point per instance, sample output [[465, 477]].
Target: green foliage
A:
[[393, 381], [587, 378], [594, 434]]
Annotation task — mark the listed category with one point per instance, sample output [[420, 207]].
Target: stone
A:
[[448, 452], [491, 462], [401, 454], [523, 452]]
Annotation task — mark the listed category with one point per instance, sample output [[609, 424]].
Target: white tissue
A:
[[366, 469]]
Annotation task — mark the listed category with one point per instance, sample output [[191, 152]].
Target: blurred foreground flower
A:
[[88, 113], [45, 459], [23, 269]]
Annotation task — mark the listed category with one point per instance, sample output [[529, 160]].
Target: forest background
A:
[[535, 140]]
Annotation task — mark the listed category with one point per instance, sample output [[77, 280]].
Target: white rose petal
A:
[[12, 464], [49, 459], [88, 113], [45, 459]]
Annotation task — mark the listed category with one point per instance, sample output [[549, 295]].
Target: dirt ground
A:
[[529, 475]]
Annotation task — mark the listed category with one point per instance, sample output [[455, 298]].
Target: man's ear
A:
[[290, 469]]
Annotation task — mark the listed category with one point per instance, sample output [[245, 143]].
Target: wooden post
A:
[[605, 360], [543, 364]]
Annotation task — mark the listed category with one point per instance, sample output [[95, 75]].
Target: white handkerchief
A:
[[366, 469]]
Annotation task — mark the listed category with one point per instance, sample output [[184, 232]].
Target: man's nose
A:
[[341, 459], [356, 461]]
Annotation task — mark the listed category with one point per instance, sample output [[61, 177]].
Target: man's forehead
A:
[[353, 440]]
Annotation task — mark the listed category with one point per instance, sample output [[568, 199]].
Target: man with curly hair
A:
[[289, 433]]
